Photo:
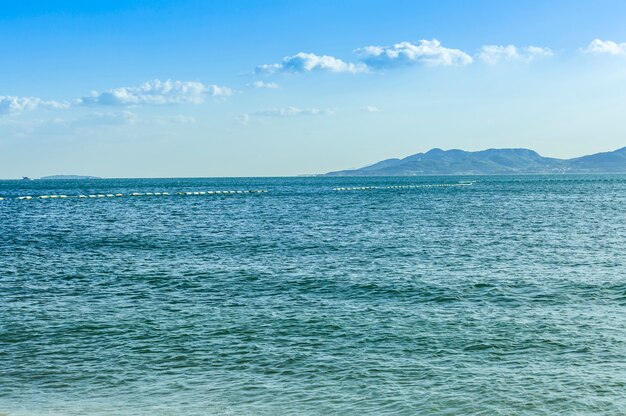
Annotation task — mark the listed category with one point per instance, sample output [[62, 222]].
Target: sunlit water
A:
[[504, 297]]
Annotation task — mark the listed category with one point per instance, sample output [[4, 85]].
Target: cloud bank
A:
[[157, 92], [402, 54], [427, 52]]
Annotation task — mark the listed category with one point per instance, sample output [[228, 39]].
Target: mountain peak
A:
[[437, 161]]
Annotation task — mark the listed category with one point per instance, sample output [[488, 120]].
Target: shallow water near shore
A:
[[504, 297]]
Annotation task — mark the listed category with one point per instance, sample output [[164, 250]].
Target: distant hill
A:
[[490, 162], [68, 177]]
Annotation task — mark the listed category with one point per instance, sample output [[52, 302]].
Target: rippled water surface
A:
[[504, 297]]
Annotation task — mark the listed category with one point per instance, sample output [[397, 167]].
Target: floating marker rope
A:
[[368, 188], [134, 194]]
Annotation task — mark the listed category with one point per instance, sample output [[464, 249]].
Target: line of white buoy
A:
[[135, 194], [222, 192], [434, 185]]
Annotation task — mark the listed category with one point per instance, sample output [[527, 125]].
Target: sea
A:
[[493, 295]]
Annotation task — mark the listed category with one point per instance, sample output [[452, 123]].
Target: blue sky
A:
[[243, 88]]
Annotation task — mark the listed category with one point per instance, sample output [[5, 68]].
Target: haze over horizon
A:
[[189, 89]]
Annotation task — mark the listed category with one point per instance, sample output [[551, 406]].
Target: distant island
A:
[[490, 162], [68, 177]]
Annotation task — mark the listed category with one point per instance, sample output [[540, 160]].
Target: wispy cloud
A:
[[307, 62], [492, 54], [243, 119], [88, 124], [370, 109], [429, 52], [15, 105], [157, 92], [265, 85], [112, 118], [598, 46], [175, 119], [291, 112]]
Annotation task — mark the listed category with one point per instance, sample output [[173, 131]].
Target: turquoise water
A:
[[504, 297]]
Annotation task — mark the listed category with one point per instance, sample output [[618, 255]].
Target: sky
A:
[[279, 88]]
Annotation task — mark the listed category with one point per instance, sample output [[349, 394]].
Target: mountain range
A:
[[490, 162]]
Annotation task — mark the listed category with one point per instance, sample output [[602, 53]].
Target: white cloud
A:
[[291, 112], [218, 91], [157, 92], [307, 62], [429, 52], [492, 54], [598, 46], [371, 109], [266, 85], [15, 105]]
